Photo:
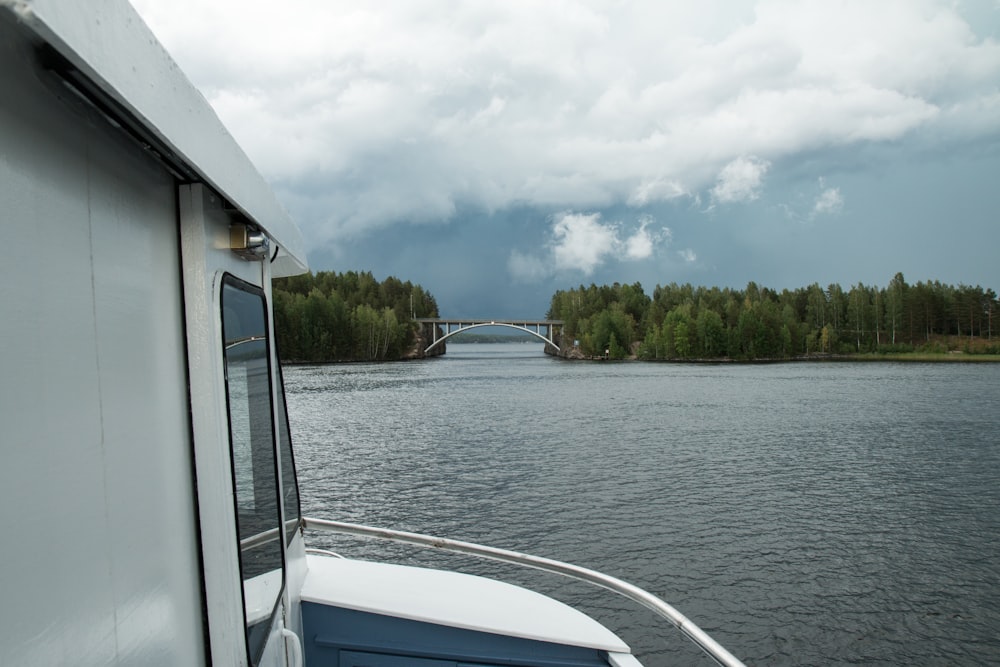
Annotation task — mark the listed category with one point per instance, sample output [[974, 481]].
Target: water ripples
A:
[[800, 513]]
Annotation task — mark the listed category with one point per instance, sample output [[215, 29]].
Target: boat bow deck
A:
[[453, 599]]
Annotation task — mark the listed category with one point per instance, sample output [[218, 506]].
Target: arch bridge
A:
[[438, 330]]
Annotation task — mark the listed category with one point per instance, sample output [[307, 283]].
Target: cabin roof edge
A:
[[112, 47]]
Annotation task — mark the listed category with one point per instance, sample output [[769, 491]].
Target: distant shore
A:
[[953, 356], [948, 357], [574, 354]]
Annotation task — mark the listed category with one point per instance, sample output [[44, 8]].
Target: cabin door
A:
[[247, 499]]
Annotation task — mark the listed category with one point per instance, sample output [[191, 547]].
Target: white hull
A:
[[149, 505]]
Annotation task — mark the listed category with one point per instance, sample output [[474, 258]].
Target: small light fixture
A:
[[248, 242]]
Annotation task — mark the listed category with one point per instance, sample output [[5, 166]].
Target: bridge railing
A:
[[489, 321], [533, 327]]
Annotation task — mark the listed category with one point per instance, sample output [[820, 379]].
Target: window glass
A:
[[248, 392]]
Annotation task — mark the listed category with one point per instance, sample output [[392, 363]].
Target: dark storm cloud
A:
[[512, 148]]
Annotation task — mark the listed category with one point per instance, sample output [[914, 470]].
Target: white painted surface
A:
[[452, 599], [109, 42], [101, 553], [295, 576], [207, 259], [99, 548], [204, 235]]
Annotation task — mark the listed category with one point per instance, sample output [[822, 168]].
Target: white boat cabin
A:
[[140, 394], [149, 510]]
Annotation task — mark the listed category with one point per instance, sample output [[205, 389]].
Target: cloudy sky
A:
[[494, 152]]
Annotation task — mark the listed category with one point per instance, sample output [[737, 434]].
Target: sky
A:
[[495, 152]]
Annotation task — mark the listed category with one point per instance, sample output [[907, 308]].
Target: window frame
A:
[[256, 632], [284, 442]]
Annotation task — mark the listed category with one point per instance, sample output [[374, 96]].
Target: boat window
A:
[[288, 481], [255, 480]]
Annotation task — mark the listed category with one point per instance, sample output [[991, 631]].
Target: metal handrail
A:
[[711, 647], [271, 535]]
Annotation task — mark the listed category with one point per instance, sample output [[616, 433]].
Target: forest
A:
[[686, 322], [329, 316], [350, 316]]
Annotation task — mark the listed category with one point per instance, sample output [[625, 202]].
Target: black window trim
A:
[[230, 280]]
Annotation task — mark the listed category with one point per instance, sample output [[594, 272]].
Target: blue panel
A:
[[358, 659], [336, 637]]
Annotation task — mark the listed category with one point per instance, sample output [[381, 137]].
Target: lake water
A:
[[801, 513]]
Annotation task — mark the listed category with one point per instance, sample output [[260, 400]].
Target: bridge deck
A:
[[453, 326], [497, 321]]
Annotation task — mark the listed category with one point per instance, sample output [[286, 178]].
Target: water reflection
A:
[[801, 513]]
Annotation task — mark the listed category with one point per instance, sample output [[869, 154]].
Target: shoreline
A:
[[893, 357], [954, 356]]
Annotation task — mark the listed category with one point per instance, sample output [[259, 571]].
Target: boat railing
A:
[[711, 647]]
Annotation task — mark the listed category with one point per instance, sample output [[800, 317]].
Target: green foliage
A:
[[678, 341], [331, 316], [615, 350], [687, 322], [650, 347], [711, 334]]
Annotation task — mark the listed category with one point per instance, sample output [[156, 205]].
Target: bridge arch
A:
[[489, 324], [533, 327]]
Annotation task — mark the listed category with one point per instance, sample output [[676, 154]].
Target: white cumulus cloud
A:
[[583, 242], [740, 180], [641, 244], [829, 201], [366, 115]]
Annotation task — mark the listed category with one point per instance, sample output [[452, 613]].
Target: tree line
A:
[[329, 316], [686, 322]]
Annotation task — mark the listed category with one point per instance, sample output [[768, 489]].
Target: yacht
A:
[[150, 509]]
